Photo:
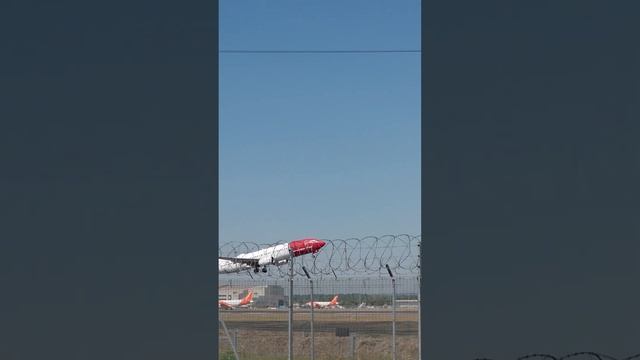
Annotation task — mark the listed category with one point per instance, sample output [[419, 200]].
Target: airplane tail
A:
[[247, 299], [334, 300]]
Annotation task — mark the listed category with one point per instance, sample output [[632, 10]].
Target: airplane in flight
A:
[[324, 304], [274, 255], [230, 304]]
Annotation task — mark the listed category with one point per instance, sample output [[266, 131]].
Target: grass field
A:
[[261, 345], [262, 334]]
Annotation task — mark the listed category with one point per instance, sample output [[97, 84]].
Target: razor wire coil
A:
[[368, 255]]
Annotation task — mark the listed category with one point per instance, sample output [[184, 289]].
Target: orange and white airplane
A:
[[324, 304], [230, 304]]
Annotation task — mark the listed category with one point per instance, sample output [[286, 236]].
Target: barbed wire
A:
[[592, 355], [368, 255]]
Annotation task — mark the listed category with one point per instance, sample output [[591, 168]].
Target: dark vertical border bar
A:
[[216, 240], [530, 165], [108, 179]]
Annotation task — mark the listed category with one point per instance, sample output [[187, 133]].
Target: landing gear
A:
[[257, 269]]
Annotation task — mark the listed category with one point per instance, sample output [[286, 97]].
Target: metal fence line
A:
[[313, 353], [290, 335], [393, 306], [353, 270], [373, 315]]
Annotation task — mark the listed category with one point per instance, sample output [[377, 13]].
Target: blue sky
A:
[[324, 145]]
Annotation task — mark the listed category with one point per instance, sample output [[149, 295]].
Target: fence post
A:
[[353, 346], [393, 307], [235, 338], [313, 353], [290, 357], [226, 331], [313, 339]]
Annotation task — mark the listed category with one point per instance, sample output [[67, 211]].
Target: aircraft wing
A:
[[252, 262]]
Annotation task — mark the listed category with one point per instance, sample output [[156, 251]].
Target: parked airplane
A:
[[274, 255], [230, 304], [365, 306], [325, 304]]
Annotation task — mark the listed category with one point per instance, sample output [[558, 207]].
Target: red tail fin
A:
[[334, 300], [247, 299]]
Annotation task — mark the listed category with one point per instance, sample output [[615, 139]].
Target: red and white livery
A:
[[274, 255], [230, 304], [324, 304]]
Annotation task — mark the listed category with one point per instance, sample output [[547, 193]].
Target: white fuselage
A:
[[231, 302], [271, 255], [321, 304]]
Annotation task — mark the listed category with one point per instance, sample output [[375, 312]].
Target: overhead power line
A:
[[319, 51]]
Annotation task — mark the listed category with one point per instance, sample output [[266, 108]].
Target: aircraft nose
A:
[[318, 244]]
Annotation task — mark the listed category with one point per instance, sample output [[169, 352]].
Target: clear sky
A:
[[324, 145]]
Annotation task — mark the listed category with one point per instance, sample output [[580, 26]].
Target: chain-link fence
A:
[[352, 318]]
